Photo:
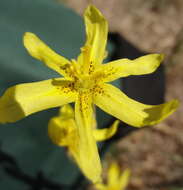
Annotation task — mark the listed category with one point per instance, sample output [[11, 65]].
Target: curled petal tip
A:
[[26, 34], [94, 14], [32, 44], [161, 57], [175, 104]]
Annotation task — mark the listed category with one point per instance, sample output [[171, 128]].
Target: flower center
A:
[[84, 83]]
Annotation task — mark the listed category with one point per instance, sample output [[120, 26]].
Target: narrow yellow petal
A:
[[42, 52], [24, 99], [125, 67], [88, 152], [107, 133], [113, 174], [116, 103], [124, 179], [96, 32]]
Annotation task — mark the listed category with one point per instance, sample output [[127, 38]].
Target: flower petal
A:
[[62, 128], [113, 174], [42, 52], [107, 133], [24, 99], [96, 30], [61, 131], [116, 103], [124, 179], [88, 152], [125, 67], [100, 186]]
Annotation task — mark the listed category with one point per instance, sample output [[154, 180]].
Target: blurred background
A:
[[28, 159]]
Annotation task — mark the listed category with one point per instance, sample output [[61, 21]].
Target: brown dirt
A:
[[155, 157]]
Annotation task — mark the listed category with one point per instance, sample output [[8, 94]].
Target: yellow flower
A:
[[86, 83], [115, 180], [63, 131]]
